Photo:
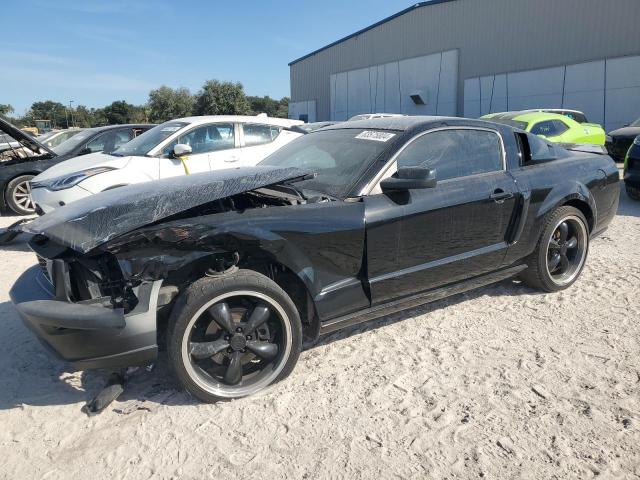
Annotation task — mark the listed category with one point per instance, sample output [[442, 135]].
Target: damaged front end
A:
[[86, 310], [106, 275]]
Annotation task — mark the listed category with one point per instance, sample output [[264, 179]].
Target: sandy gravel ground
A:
[[503, 382]]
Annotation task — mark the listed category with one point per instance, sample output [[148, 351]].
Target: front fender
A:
[[120, 177], [322, 244]]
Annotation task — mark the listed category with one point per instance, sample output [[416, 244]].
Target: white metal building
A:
[[473, 57]]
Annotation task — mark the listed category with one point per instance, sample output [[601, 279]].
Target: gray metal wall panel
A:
[[584, 90], [493, 36], [623, 91]]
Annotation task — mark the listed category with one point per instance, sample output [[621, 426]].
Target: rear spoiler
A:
[[585, 148]]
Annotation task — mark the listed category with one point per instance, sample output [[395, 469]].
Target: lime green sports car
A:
[[554, 127]]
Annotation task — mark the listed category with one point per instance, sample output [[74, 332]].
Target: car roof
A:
[[278, 122], [529, 117], [124, 125], [393, 123]]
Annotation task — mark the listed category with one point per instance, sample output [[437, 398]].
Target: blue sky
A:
[[95, 52]]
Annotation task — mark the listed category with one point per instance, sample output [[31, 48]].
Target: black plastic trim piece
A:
[[419, 299]]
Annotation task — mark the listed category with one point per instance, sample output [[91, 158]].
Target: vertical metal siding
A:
[[493, 36]]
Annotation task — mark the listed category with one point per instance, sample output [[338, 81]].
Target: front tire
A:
[[561, 252], [233, 335], [633, 193], [18, 195]]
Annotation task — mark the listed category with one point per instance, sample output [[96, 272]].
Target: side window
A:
[[99, 143], [207, 138], [561, 127], [121, 137], [454, 153], [534, 149], [548, 128], [259, 134], [109, 141]]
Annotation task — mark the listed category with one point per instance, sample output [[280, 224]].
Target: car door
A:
[[426, 238], [225, 150], [258, 142], [209, 143]]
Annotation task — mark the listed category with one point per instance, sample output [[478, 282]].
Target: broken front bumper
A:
[[88, 334]]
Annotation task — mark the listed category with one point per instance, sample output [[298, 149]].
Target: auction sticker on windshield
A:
[[376, 136]]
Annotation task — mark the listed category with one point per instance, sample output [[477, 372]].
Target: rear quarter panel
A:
[[591, 179]]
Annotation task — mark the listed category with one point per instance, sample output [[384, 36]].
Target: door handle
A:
[[499, 195], [232, 159]]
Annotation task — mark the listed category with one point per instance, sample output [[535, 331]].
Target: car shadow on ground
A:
[[627, 206], [32, 376]]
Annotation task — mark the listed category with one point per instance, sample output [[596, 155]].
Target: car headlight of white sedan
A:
[[70, 180]]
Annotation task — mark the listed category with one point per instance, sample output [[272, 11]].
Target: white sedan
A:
[[178, 147]]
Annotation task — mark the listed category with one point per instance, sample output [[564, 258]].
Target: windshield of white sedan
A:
[[339, 157], [144, 143]]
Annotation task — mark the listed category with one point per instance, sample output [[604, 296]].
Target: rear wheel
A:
[[18, 195], [634, 193], [561, 251], [233, 336]]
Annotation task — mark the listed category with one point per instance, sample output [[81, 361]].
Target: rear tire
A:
[[18, 195], [233, 335], [633, 193], [561, 252]]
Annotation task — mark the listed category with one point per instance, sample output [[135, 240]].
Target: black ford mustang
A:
[[240, 267]]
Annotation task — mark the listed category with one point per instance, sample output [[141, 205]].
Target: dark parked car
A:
[[619, 141], [351, 222], [632, 170], [32, 157]]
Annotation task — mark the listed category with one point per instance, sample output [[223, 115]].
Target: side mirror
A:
[[180, 150], [84, 151], [408, 178]]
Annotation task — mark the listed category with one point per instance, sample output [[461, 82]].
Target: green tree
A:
[[82, 116], [120, 112], [48, 110], [6, 109], [166, 103], [221, 98], [270, 106]]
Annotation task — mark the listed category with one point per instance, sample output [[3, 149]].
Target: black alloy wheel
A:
[[566, 250], [233, 336]]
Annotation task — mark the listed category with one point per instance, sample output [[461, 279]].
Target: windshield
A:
[[339, 157], [144, 143], [69, 145]]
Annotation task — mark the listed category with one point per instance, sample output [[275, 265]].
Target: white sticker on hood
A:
[[376, 135]]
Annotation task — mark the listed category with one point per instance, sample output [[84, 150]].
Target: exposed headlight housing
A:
[[636, 141], [68, 181]]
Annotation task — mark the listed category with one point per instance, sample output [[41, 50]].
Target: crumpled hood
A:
[[84, 162], [93, 221]]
